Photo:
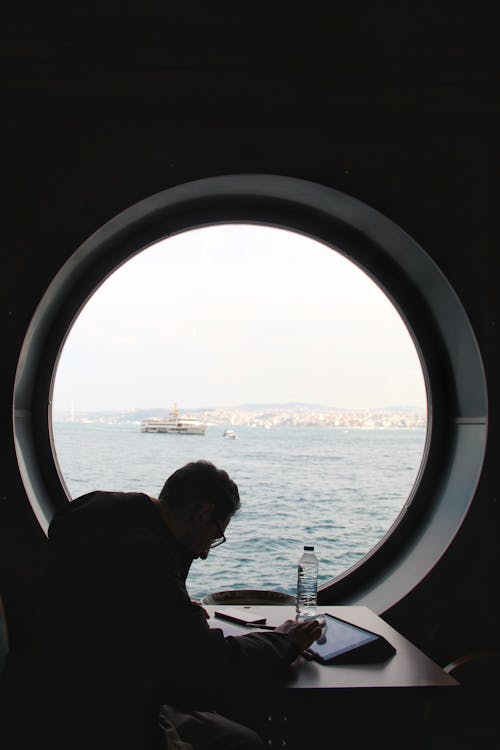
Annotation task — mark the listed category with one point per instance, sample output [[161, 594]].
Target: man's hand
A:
[[302, 633]]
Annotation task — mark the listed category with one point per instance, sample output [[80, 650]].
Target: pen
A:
[[256, 625]]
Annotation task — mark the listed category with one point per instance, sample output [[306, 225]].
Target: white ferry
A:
[[229, 434], [175, 424]]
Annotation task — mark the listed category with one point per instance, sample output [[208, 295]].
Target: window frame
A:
[[450, 357]]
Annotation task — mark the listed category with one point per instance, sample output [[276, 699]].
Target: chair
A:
[[478, 669], [471, 720], [4, 639]]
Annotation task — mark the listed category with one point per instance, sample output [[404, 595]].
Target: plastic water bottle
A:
[[307, 584]]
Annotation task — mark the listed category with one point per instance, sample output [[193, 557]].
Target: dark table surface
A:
[[409, 668]]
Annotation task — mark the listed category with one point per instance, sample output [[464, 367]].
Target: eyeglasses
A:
[[219, 539]]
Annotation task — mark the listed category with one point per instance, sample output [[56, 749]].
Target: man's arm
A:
[[177, 643]]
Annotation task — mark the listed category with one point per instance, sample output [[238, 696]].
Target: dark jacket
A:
[[119, 635]]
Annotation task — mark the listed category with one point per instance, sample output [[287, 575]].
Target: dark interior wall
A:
[[398, 108]]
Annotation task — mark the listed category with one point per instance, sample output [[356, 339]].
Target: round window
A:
[[274, 316], [273, 356]]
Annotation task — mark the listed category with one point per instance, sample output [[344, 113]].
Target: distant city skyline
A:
[[265, 415], [291, 406], [236, 314]]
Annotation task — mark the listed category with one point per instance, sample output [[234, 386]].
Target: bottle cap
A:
[[309, 548]]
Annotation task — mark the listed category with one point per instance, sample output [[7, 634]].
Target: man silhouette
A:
[[123, 658]]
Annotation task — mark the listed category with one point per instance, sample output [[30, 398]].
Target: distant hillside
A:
[[134, 415]]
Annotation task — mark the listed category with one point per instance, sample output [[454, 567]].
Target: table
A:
[[407, 668], [363, 701]]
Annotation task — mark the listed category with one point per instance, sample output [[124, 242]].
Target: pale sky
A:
[[233, 314]]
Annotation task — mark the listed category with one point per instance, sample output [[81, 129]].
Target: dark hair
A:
[[201, 481]]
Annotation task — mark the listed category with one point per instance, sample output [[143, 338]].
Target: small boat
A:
[[229, 434]]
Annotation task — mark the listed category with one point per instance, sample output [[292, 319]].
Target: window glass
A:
[[271, 355]]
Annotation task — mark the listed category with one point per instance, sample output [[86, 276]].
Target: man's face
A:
[[207, 536]]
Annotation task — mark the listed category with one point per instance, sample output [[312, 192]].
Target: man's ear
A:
[[202, 513]]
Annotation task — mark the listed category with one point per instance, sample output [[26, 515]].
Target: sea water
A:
[[338, 489]]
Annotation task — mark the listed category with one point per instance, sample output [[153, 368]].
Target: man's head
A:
[[200, 500]]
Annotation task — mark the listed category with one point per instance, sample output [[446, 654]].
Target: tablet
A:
[[344, 642]]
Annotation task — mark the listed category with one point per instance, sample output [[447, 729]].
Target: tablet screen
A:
[[340, 637]]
